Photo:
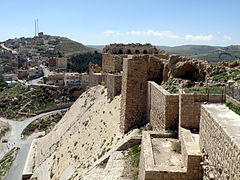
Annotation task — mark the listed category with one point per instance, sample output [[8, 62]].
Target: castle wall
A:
[[220, 141], [155, 69], [94, 79], [132, 49], [134, 91], [114, 84], [190, 108], [112, 63], [162, 107]]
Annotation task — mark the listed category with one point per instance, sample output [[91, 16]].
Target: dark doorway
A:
[[120, 52], [145, 52]]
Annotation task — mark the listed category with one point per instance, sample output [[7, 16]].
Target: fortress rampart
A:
[[144, 100]]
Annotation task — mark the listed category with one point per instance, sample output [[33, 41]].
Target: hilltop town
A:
[[142, 114]]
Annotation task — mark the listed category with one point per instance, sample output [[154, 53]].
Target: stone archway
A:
[[186, 71], [120, 51], [129, 51], [145, 51], [137, 52]]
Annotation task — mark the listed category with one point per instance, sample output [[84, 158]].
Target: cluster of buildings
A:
[[22, 58], [68, 79]]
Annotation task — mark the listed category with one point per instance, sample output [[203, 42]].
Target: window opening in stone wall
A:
[[145, 51]]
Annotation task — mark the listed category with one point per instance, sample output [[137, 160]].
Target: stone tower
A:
[[134, 90]]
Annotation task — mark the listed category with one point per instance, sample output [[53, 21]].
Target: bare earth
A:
[[163, 153]]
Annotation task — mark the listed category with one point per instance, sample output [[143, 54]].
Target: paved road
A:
[[4, 47], [15, 140]]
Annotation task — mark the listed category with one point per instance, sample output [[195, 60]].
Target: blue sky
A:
[[160, 22]]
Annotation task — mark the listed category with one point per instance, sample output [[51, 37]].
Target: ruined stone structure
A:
[[133, 49], [95, 77], [136, 69], [112, 55], [143, 100], [114, 84], [186, 68], [190, 108], [189, 170]]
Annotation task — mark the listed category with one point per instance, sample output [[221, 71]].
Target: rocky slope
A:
[[85, 134]]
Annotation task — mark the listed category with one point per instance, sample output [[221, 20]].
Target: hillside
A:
[[210, 53], [68, 47], [96, 47]]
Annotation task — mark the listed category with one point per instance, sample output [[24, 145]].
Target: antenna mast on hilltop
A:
[[36, 27]]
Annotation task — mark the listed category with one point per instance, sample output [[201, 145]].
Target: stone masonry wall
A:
[[189, 108], [112, 63], [162, 107], [94, 79], [134, 91], [133, 49], [114, 84], [220, 142]]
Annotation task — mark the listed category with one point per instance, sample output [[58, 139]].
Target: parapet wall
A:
[[220, 141], [190, 108], [162, 110], [114, 84]]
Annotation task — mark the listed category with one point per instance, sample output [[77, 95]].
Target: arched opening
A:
[[137, 52], [187, 71], [129, 51], [145, 51], [120, 51]]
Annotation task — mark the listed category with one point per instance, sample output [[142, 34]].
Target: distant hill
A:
[[96, 47], [69, 47], [210, 53]]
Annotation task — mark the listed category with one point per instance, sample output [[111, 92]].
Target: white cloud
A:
[[112, 33], [199, 37], [161, 34], [227, 38]]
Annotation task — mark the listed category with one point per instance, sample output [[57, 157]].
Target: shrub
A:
[[176, 146]]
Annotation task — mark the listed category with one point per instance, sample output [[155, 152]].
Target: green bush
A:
[[233, 107], [205, 90]]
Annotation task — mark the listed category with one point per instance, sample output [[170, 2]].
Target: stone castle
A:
[[207, 129]]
